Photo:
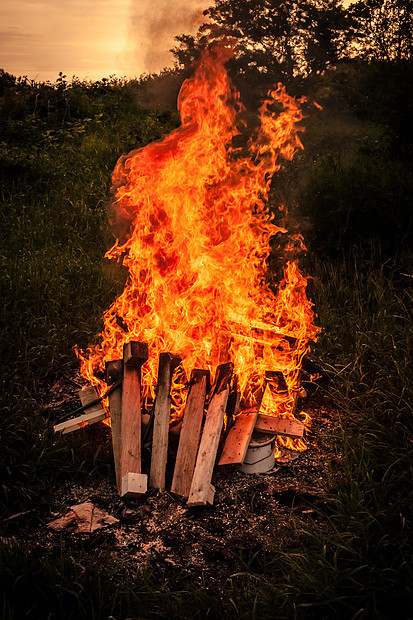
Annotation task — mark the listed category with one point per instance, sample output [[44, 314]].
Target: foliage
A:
[[290, 39], [55, 171], [360, 564], [382, 31], [276, 38]]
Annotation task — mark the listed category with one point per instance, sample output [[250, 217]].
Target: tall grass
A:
[[356, 562], [55, 173]]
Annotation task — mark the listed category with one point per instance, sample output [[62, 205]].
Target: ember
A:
[[197, 246]]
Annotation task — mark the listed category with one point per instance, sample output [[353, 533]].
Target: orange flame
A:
[[198, 243]]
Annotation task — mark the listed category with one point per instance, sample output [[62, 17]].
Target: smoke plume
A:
[[155, 23]]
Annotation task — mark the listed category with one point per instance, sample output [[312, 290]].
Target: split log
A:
[[200, 492], [190, 433], [114, 371], [133, 482], [279, 426], [96, 413], [162, 414]]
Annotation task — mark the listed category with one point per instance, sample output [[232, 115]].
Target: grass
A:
[[360, 564], [354, 560]]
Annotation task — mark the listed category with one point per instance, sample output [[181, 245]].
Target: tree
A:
[[382, 30], [277, 39]]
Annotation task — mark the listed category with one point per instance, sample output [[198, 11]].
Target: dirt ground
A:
[[250, 512]]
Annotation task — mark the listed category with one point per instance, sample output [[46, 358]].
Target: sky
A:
[[92, 38]]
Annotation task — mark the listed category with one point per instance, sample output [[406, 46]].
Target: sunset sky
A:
[[92, 39]]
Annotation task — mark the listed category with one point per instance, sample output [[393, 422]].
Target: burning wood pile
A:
[[193, 229], [211, 420]]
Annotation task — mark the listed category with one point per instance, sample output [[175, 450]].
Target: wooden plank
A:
[[95, 413], [135, 355], [211, 494], [200, 491], [239, 436], [190, 433], [114, 372], [68, 426], [237, 442], [223, 377], [279, 426], [162, 416]]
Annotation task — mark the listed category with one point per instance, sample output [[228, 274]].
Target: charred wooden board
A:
[[162, 415], [114, 371], [239, 436], [95, 413], [237, 442]]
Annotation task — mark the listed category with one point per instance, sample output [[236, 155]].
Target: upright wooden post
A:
[[162, 416], [200, 492], [133, 482], [114, 371], [190, 433]]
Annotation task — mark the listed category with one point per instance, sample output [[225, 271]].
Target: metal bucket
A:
[[260, 456]]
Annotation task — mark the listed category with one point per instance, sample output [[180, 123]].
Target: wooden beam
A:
[[162, 416], [211, 494], [200, 492], [190, 433], [95, 413], [135, 355], [279, 426], [114, 372]]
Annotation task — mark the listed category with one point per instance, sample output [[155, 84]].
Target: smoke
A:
[[155, 23]]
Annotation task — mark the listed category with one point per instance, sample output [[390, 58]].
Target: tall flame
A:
[[198, 243]]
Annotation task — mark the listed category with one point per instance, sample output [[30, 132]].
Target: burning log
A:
[[162, 414], [201, 493], [96, 413], [132, 481], [190, 433], [114, 372]]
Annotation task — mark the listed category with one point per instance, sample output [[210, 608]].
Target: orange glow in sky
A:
[[92, 39]]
